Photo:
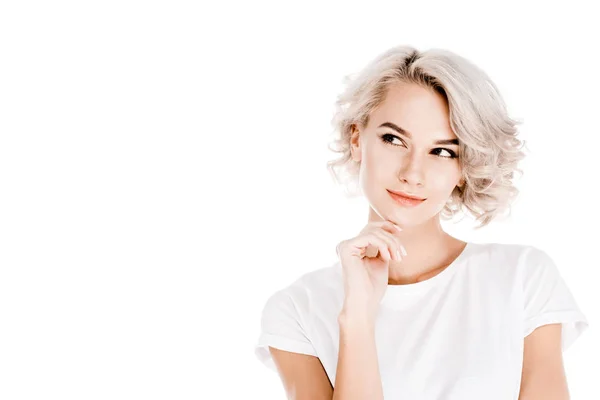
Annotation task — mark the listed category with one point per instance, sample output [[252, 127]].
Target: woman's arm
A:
[[543, 375], [302, 375], [357, 375]]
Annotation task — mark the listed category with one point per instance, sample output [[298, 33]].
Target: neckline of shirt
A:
[[394, 291]]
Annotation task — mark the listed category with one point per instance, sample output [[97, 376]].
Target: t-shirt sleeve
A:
[[281, 328], [548, 300]]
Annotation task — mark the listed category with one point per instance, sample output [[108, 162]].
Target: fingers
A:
[[390, 227], [371, 251], [392, 242], [388, 230], [376, 237], [394, 229], [360, 244]]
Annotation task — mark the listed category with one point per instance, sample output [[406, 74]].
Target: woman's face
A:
[[407, 159]]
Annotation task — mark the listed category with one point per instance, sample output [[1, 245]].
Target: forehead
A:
[[418, 110]]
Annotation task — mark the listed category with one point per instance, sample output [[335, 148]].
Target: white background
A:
[[162, 172]]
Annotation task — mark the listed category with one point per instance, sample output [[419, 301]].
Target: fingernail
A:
[[404, 250], [398, 256]]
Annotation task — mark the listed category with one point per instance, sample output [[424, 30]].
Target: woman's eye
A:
[[390, 138], [450, 153]]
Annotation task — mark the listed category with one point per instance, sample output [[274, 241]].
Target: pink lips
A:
[[405, 201]]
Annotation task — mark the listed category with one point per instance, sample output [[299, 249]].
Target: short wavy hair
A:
[[489, 149]]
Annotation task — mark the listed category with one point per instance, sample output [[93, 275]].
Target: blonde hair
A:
[[489, 149]]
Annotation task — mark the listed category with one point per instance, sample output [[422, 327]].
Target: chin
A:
[[397, 215], [407, 217]]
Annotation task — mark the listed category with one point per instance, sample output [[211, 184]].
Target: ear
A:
[[355, 143]]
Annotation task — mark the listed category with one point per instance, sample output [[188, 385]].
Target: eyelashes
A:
[[389, 138]]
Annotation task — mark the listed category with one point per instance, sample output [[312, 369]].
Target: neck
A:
[[430, 249]]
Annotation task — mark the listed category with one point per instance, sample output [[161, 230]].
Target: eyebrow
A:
[[408, 134]]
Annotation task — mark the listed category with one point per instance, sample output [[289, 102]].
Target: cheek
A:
[[377, 162], [443, 179]]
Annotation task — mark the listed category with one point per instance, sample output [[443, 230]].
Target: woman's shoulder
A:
[[319, 283], [514, 257], [506, 249]]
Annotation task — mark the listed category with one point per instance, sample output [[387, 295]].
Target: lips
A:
[[405, 201], [406, 195]]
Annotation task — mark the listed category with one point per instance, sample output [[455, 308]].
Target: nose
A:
[[411, 171]]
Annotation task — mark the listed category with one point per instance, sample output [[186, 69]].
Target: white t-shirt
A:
[[457, 335]]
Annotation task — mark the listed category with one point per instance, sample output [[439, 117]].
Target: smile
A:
[[405, 201]]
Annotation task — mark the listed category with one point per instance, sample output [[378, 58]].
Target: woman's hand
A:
[[365, 263]]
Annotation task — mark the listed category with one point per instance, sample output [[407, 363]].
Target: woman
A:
[[408, 311]]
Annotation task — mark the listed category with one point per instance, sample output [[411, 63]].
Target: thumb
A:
[[371, 251]]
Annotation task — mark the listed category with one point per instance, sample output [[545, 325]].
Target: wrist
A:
[[356, 316]]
